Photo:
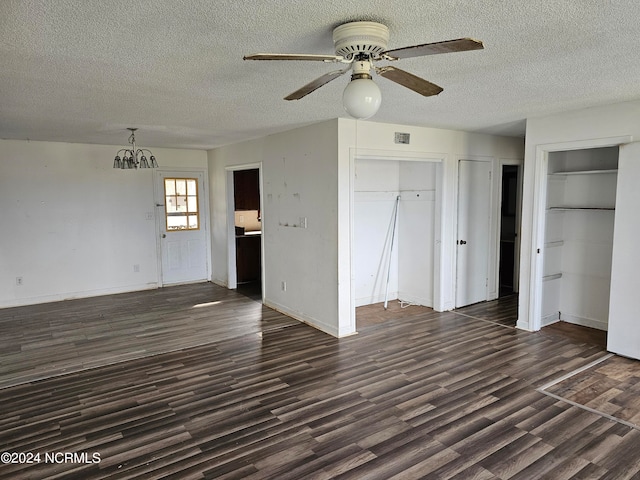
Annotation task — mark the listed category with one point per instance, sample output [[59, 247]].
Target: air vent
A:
[[402, 138]]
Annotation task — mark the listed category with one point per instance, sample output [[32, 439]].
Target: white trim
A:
[[158, 214], [519, 181], [313, 322], [232, 272], [584, 321], [419, 156], [438, 301], [550, 319], [244, 166], [361, 301], [353, 303], [586, 144], [60, 297], [414, 300]]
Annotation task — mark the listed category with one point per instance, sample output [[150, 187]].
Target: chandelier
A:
[[134, 157]]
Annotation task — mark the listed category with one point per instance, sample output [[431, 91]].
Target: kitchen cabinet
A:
[[248, 257], [246, 189]]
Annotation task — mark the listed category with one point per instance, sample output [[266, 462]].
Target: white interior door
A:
[[472, 249], [182, 227], [623, 335]]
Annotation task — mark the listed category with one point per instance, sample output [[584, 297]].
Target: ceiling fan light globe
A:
[[361, 98]]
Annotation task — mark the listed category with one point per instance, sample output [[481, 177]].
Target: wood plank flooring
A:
[[41, 341], [503, 311], [428, 395], [611, 387]]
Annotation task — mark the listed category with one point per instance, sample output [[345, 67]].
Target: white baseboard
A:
[[371, 299], [549, 319], [59, 297], [415, 300], [585, 322], [520, 325], [313, 322]]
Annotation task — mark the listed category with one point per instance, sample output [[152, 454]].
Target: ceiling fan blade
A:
[[294, 56], [448, 46], [406, 79], [315, 84]]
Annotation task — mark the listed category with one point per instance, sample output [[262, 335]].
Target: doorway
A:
[[247, 220], [509, 222]]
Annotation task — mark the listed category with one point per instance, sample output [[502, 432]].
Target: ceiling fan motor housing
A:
[[369, 38]]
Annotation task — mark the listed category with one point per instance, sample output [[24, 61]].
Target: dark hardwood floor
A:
[[416, 394], [50, 339], [503, 311]]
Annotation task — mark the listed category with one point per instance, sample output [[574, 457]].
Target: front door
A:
[[182, 227], [472, 249]]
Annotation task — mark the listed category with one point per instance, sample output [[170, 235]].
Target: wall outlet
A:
[[19, 281], [303, 222], [136, 268], [284, 286]]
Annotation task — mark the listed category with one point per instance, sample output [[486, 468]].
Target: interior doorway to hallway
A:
[[509, 226]]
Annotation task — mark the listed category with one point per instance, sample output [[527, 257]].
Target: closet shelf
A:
[[557, 243], [554, 276], [561, 209], [586, 172]]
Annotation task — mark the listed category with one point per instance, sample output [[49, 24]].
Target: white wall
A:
[[587, 128], [220, 160], [72, 225], [300, 180], [309, 172]]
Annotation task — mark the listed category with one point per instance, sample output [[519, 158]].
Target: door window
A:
[[181, 204]]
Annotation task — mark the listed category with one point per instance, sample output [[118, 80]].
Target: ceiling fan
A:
[[360, 45]]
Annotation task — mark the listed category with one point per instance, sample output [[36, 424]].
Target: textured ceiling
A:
[[84, 70]]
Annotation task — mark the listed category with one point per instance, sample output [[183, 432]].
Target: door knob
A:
[[463, 242], [164, 235]]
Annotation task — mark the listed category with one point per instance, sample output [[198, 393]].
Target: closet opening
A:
[[578, 241], [396, 230]]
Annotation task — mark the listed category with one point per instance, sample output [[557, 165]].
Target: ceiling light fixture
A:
[[361, 97], [134, 157], [362, 44]]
